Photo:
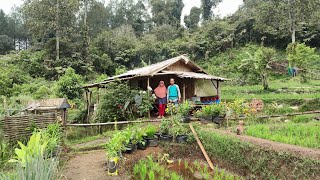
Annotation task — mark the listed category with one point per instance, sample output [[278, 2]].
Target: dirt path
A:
[[87, 166], [277, 146]]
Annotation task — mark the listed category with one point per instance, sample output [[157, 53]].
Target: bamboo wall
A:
[[18, 127]]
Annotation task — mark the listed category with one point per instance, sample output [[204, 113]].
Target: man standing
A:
[[173, 94]]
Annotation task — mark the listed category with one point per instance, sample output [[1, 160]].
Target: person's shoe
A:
[[162, 117], [159, 117]]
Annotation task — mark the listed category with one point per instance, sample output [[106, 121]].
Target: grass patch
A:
[[259, 162], [279, 90], [306, 135]]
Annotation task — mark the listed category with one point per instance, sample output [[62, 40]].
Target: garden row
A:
[[133, 138], [162, 167], [303, 135], [256, 161]]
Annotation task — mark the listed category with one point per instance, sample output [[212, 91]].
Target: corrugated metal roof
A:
[[159, 68], [153, 68], [194, 75]]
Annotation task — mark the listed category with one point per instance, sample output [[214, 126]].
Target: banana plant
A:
[[35, 148]]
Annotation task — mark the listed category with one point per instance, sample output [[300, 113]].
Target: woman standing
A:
[[161, 93]]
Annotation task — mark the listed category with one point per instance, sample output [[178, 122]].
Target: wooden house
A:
[[194, 82]]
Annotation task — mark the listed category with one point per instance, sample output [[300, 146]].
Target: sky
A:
[[227, 7]]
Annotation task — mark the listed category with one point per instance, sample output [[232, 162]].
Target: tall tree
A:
[[166, 12], [3, 23], [285, 17], [207, 6], [47, 18], [193, 19]]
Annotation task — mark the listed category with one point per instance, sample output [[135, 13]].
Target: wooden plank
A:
[[201, 147], [113, 123]]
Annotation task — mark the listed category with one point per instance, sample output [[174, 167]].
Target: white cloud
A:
[[7, 5], [226, 7]]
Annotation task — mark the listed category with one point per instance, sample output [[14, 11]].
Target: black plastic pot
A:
[[181, 138], [158, 134], [142, 145], [165, 137], [153, 142], [130, 148], [217, 119], [112, 167], [205, 120], [186, 119]]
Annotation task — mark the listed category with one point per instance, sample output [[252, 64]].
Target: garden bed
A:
[[307, 135], [259, 158]]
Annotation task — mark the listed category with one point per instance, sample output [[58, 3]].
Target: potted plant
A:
[[164, 129], [214, 112], [129, 141], [179, 132], [184, 111], [152, 139], [138, 135], [113, 152]]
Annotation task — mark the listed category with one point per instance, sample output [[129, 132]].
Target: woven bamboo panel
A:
[[18, 127]]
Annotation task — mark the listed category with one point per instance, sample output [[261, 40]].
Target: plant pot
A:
[[142, 145], [181, 138], [130, 148], [112, 166], [217, 119], [186, 119], [158, 134], [205, 120], [153, 142], [165, 137]]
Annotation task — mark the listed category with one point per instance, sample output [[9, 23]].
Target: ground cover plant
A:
[[279, 89], [297, 134], [39, 157], [162, 168], [257, 162]]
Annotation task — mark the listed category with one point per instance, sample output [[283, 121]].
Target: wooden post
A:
[[184, 91], [5, 106], [64, 117], [201, 147], [98, 98], [88, 106], [218, 88], [148, 84]]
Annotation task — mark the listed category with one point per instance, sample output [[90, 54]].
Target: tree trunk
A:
[[57, 33], [292, 20], [265, 82], [293, 35]]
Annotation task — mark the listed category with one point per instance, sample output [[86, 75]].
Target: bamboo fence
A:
[[18, 127]]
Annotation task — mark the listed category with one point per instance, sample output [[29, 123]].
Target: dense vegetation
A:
[[94, 39]]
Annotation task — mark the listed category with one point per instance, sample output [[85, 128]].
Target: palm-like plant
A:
[[259, 63]]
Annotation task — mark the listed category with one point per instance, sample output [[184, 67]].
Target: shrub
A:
[[69, 85], [212, 111], [120, 102], [184, 108]]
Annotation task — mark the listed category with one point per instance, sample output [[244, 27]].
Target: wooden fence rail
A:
[[193, 119], [113, 123]]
